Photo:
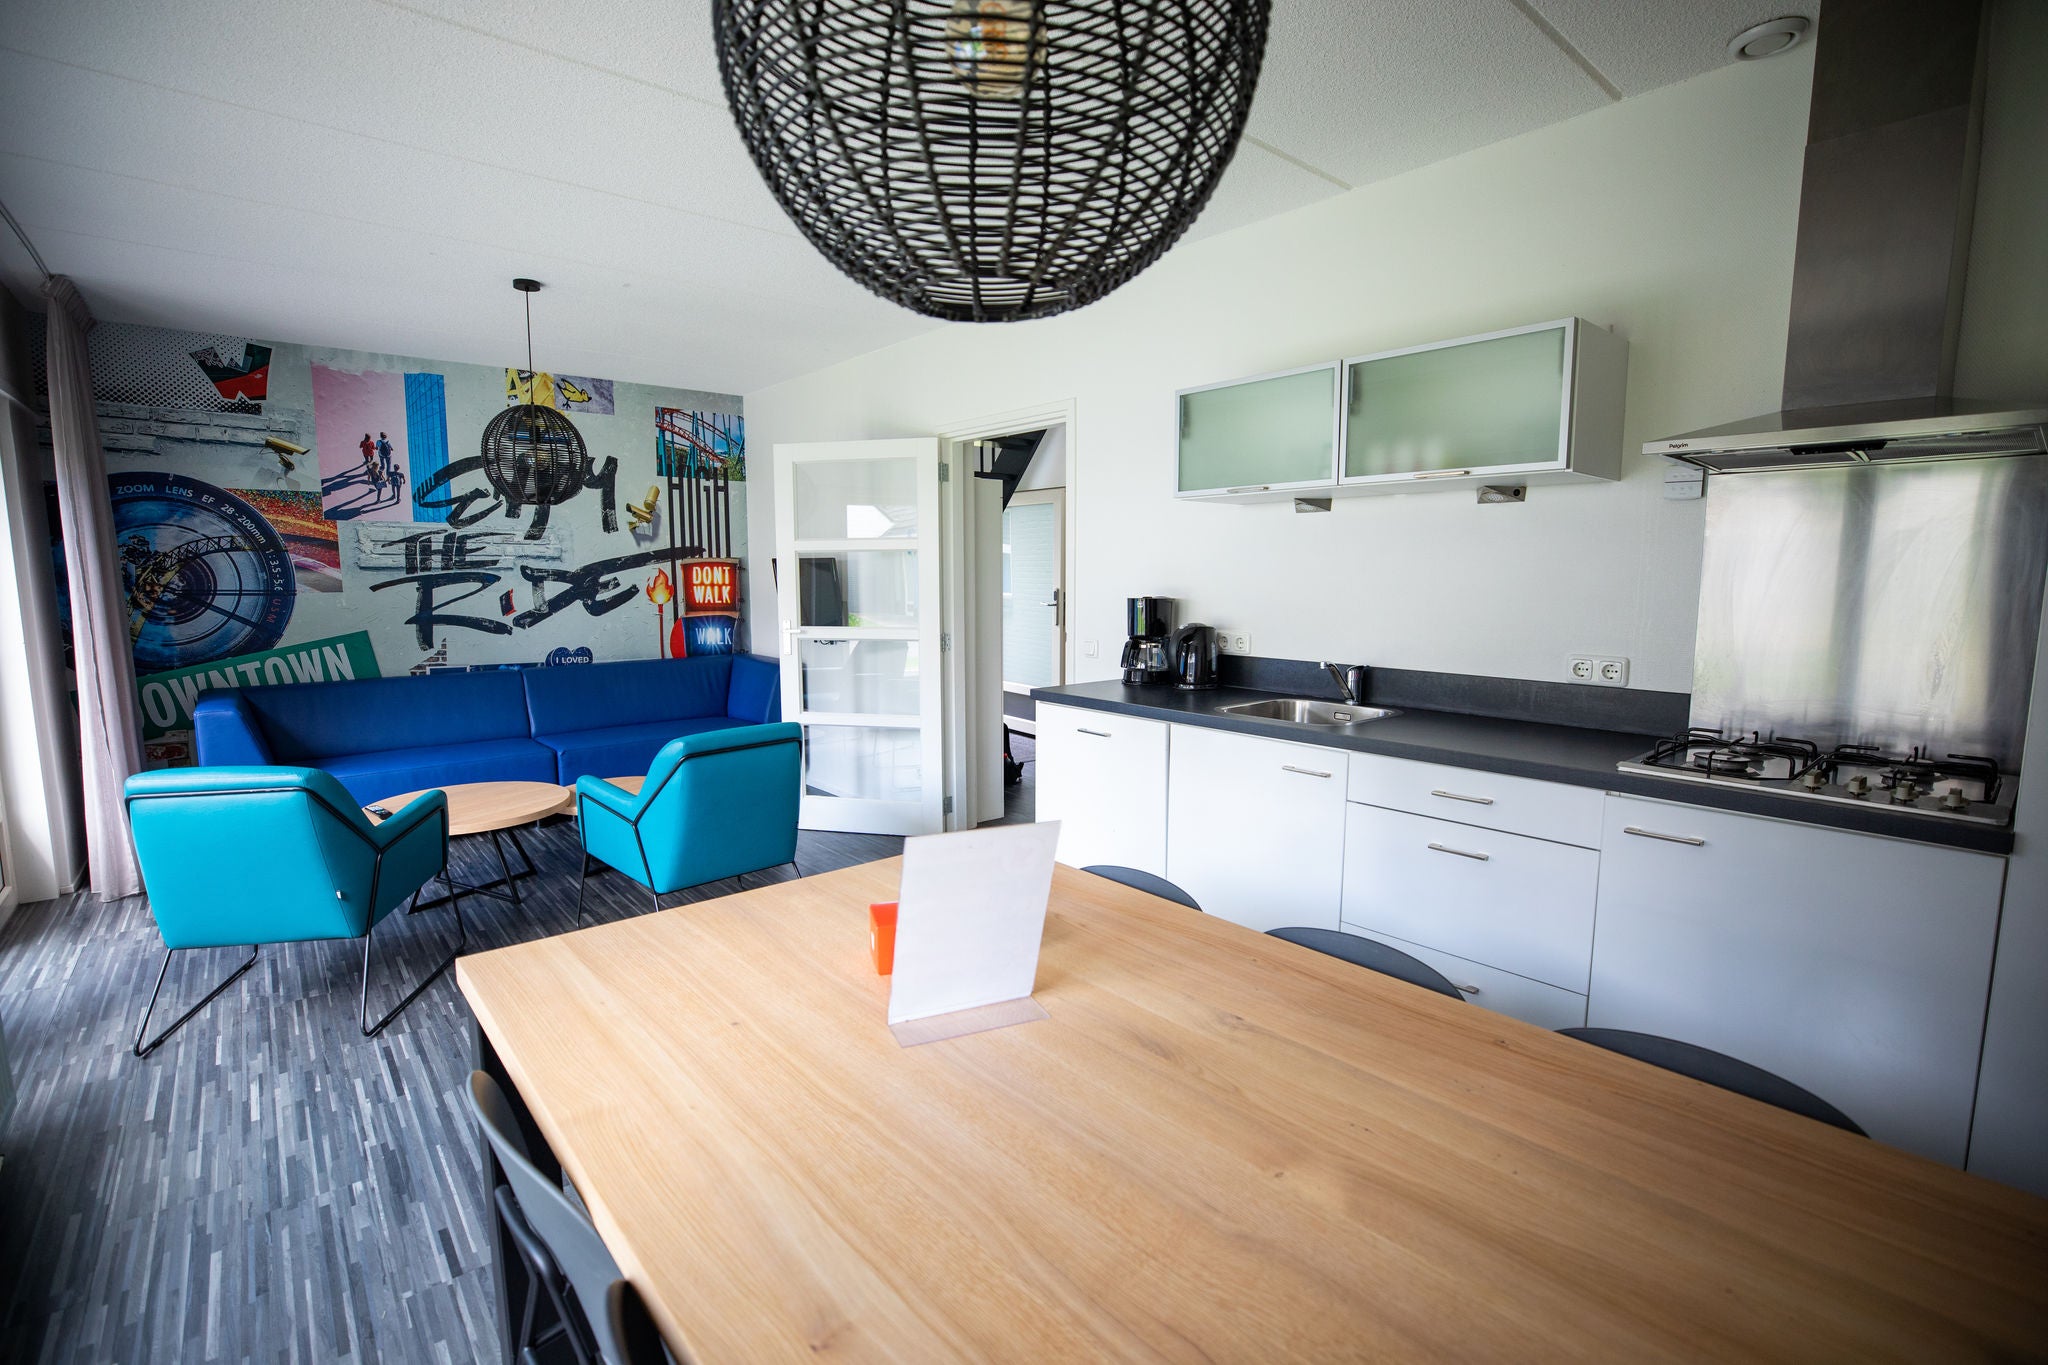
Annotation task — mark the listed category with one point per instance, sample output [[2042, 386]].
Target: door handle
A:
[[1667, 838], [1462, 853], [1305, 772], [1453, 796], [1251, 488], [1469, 990], [1440, 474], [1099, 734]]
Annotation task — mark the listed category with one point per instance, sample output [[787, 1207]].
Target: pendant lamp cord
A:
[[529, 348]]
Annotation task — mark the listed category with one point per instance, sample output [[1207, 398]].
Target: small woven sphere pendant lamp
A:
[[991, 160], [533, 455]]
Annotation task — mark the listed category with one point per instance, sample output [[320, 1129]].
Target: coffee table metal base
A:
[[508, 879], [493, 808]]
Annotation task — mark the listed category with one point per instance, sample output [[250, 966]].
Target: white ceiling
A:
[[372, 173]]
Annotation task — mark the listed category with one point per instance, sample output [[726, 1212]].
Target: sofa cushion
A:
[[622, 750], [311, 722], [388, 772], [574, 697]]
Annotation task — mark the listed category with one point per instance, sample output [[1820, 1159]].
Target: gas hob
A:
[[1947, 787]]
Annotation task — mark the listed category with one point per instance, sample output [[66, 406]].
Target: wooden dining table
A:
[[1218, 1146]]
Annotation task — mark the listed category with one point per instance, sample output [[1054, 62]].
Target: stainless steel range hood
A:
[[1863, 433], [1885, 209]]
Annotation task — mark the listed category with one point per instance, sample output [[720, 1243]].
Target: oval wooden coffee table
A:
[[487, 808]]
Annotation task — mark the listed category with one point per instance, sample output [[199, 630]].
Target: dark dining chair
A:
[[1374, 956], [564, 1256], [1717, 1069], [1144, 881]]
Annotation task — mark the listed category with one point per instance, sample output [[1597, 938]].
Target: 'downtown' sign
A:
[[167, 697]]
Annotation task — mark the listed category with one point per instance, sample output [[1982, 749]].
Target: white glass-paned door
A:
[[857, 597]]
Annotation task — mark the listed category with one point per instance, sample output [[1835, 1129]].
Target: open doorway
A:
[[1018, 556]]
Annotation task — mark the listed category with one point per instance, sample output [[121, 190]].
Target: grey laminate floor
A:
[[270, 1185]]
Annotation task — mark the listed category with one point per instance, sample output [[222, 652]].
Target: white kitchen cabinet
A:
[[1532, 1002], [1541, 402], [1520, 904], [1853, 965], [1255, 828], [1258, 439], [1103, 777]]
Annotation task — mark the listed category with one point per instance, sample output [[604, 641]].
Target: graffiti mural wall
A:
[[289, 513]]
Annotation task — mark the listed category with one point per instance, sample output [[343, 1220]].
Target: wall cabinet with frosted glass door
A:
[[1530, 405], [1263, 439]]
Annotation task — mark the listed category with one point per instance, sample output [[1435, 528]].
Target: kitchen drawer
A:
[[1103, 777], [1491, 988], [1520, 904], [1519, 805]]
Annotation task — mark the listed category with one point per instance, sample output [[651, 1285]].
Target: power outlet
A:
[[1600, 670], [1233, 641]]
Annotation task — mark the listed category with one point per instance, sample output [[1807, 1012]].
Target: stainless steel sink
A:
[[1331, 715]]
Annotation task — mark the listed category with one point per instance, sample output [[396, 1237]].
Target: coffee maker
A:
[[1148, 654], [1194, 657]]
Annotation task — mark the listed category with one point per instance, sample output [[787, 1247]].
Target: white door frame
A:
[[958, 587]]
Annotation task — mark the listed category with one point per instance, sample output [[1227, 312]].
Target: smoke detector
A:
[[1768, 39]]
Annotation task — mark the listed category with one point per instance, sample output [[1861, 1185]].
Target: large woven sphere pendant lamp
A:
[[533, 455], [990, 160]]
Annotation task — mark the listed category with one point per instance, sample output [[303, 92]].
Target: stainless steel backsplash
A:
[[1892, 605]]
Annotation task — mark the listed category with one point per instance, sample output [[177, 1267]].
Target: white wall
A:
[[1669, 217]]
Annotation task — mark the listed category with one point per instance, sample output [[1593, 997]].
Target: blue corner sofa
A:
[[383, 736]]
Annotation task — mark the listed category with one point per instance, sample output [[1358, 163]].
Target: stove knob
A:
[[1859, 786], [1814, 780], [1953, 799], [1904, 790]]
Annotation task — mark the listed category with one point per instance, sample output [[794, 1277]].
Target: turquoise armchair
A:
[[714, 805], [276, 855]]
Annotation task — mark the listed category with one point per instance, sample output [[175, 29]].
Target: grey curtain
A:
[[109, 735]]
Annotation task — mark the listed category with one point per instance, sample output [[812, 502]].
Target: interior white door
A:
[[1034, 591], [858, 601]]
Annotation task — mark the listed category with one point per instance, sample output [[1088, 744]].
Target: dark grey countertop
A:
[[1552, 753]]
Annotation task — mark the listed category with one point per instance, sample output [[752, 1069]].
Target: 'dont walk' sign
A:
[[167, 697]]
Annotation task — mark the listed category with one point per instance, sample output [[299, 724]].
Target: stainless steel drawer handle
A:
[[1667, 838], [1099, 734], [1305, 772], [1462, 853], [1469, 990], [1453, 796]]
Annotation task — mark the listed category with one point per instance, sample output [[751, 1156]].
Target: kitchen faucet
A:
[[1350, 681]]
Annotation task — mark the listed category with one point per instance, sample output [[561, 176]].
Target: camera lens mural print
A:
[[287, 514]]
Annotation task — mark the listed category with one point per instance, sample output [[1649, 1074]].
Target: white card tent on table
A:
[[970, 914]]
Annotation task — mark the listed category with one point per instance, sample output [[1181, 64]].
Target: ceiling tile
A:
[[371, 173]]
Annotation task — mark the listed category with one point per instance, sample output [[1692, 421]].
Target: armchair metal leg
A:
[[582, 876], [461, 938], [144, 1049]]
